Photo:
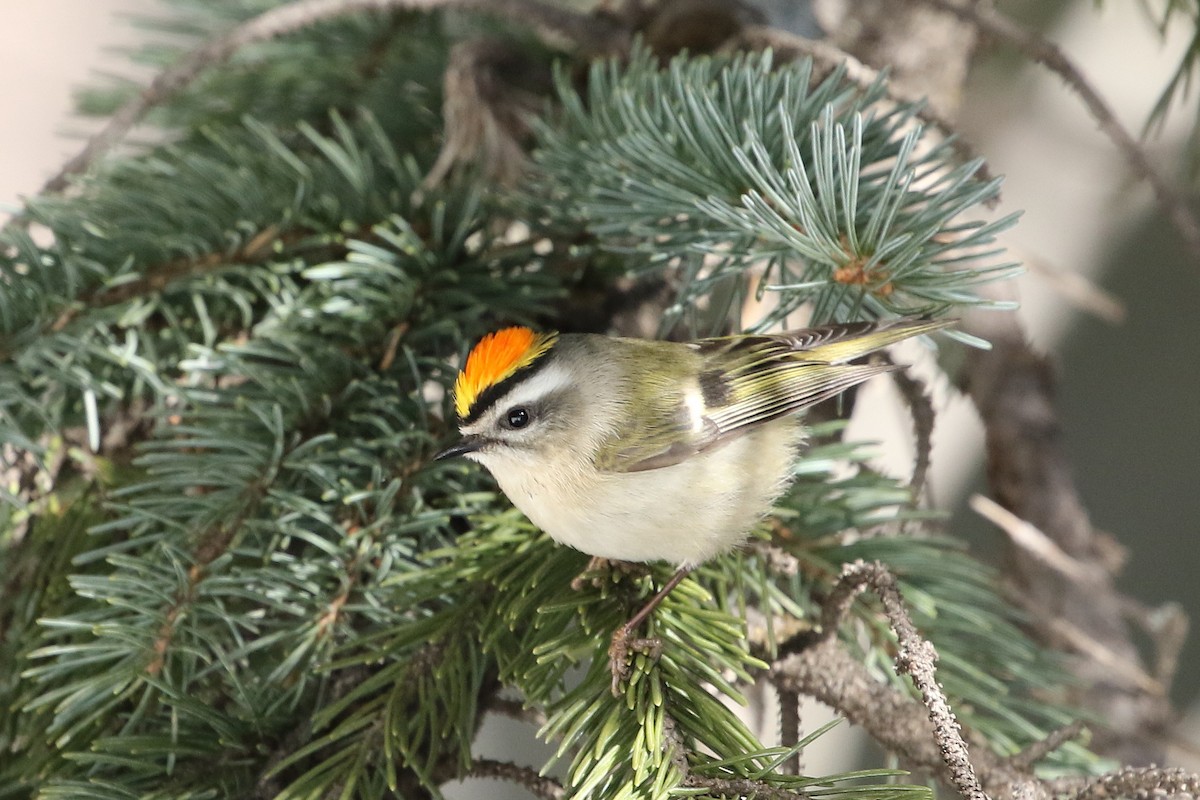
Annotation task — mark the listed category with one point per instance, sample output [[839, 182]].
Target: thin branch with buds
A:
[[917, 658], [828, 672], [1132, 782]]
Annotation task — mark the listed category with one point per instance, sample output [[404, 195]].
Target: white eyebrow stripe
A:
[[545, 381]]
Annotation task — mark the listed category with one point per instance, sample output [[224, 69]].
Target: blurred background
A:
[[1129, 389]]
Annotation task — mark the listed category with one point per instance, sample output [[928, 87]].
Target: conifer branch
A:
[[788, 47], [998, 27], [584, 30], [213, 544], [158, 277]]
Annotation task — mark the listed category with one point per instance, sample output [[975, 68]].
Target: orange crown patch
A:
[[497, 356]]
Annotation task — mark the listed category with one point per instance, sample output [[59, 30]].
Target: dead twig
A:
[[1130, 672], [741, 787], [1167, 626], [1141, 782], [1030, 476], [514, 709], [1077, 290], [917, 658], [920, 408], [1027, 537], [789, 727], [488, 99], [830, 673], [1031, 755]]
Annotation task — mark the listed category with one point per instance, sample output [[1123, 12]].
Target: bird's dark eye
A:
[[518, 417]]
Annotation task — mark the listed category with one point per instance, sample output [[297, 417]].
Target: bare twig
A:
[[1031, 540], [777, 559], [1077, 290], [828, 672], [789, 727], [920, 407], [673, 743], [926, 53], [486, 110], [598, 33], [1118, 664], [1031, 755], [514, 709], [741, 787], [990, 23], [537, 785], [916, 657], [1167, 626]]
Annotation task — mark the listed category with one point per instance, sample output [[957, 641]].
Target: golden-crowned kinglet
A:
[[642, 450]]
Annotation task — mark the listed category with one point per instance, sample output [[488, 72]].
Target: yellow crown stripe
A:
[[497, 356]]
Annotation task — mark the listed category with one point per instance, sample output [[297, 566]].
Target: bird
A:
[[642, 450]]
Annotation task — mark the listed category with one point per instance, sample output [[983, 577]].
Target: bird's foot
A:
[[624, 643], [599, 571], [623, 640], [592, 574]]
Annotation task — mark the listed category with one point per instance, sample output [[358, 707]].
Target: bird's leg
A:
[[623, 639]]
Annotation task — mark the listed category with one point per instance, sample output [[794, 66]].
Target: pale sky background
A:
[[47, 48]]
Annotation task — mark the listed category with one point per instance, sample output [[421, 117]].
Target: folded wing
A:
[[746, 381]]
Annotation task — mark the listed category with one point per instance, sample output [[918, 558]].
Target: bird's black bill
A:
[[468, 444]]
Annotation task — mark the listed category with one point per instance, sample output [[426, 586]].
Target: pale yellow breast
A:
[[685, 513]]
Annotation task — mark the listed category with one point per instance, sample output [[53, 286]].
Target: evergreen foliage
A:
[[230, 570], [707, 159]]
